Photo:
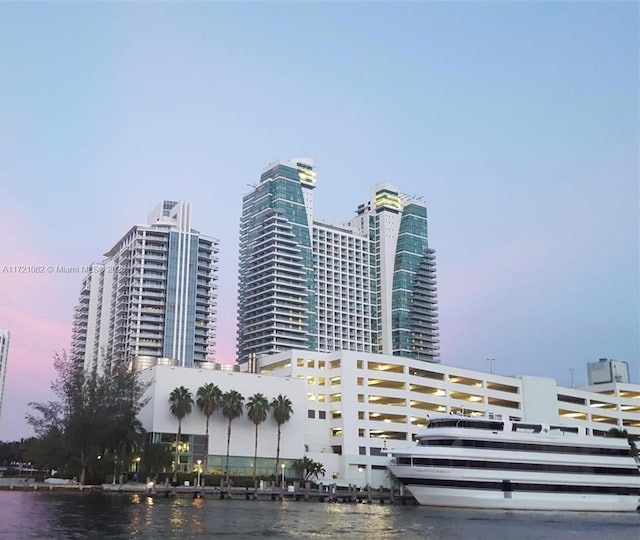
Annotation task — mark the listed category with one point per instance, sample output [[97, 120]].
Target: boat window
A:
[[526, 447], [442, 423], [480, 424], [468, 424], [520, 466], [527, 428], [564, 429], [439, 442]]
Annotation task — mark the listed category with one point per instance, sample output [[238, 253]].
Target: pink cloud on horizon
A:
[[33, 342], [29, 373], [225, 340], [37, 309]]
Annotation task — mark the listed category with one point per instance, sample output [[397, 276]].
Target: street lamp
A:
[[199, 462], [115, 461], [282, 474], [491, 361]]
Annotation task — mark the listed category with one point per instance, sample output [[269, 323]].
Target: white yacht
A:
[[488, 462]]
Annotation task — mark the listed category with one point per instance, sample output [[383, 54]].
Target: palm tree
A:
[[232, 407], [180, 404], [208, 399], [282, 411], [316, 470], [257, 411], [308, 469]]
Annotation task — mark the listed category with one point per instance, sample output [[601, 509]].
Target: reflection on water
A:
[[45, 515]]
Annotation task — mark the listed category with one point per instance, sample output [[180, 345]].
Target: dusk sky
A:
[[517, 121]]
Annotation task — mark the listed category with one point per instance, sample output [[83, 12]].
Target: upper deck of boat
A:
[[493, 426]]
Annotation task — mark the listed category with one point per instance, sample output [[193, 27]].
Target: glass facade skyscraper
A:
[[365, 285], [153, 298], [277, 306]]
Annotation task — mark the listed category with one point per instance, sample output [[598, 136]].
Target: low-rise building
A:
[[162, 426], [350, 407]]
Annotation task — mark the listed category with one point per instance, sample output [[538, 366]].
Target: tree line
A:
[[93, 424]]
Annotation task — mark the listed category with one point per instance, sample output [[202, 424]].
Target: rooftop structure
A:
[[607, 371]]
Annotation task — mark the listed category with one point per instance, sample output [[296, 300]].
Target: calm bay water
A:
[[60, 516]]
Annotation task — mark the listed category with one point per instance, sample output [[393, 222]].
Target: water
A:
[[60, 516]]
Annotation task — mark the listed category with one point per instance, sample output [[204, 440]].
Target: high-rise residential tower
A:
[[405, 272], [4, 357], [153, 299], [365, 285], [276, 301]]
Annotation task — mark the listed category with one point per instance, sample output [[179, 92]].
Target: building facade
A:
[[153, 299], [162, 427], [276, 286], [361, 404], [404, 272], [4, 358], [368, 284], [350, 407]]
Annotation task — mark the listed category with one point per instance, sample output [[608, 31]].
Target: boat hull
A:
[[471, 498]]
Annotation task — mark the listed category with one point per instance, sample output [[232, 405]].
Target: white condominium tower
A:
[[364, 285], [153, 299], [4, 356]]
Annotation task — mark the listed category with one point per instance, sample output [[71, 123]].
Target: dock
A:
[[331, 493]]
